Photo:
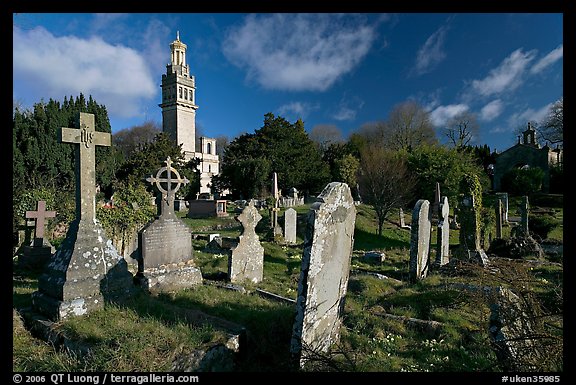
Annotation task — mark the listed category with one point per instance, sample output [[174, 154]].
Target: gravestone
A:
[[420, 240], [503, 197], [86, 270], [443, 237], [512, 333], [324, 272], [524, 209], [290, 226], [277, 230], [166, 255], [403, 224], [469, 226], [469, 231], [246, 263], [39, 252], [435, 207], [499, 218]]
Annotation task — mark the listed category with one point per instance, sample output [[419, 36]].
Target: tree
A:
[[282, 146], [150, 159], [523, 181], [447, 166], [552, 127], [462, 129], [129, 140], [222, 142], [375, 133], [42, 163], [408, 126], [326, 134], [385, 181], [346, 169]]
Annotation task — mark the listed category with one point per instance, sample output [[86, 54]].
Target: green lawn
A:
[[141, 336]]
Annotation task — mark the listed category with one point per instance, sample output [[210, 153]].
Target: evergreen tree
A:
[[278, 146]]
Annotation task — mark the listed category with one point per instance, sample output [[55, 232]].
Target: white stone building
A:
[[179, 114]]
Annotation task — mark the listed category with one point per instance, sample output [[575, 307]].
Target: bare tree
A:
[[375, 133], [134, 138], [552, 127], [325, 134], [462, 129], [409, 126], [384, 181], [222, 142]]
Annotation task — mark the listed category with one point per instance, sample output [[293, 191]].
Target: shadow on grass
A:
[[363, 240], [268, 324]]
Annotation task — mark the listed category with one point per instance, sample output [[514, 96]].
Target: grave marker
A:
[[86, 270]]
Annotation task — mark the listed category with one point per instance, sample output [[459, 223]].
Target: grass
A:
[[370, 341]]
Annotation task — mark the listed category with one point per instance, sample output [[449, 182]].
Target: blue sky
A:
[[328, 69]]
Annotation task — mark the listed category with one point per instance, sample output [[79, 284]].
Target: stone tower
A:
[[179, 114], [178, 99]]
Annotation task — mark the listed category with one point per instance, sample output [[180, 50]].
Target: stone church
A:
[[179, 115], [527, 153]]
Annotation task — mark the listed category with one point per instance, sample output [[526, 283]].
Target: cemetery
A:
[[277, 256], [328, 294]]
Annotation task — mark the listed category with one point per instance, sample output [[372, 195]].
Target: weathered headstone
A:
[[469, 226], [420, 240], [402, 221], [503, 197], [39, 252], [40, 215], [435, 206], [277, 230], [290, 226], [512, 333], [86, 270], [246, 263], [166, 254], [443, 237], [374, 256], [499, 218], [324, 272], [524, 209]]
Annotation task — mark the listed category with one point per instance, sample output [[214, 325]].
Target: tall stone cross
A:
[[87, 139], [168, 193], [40, 215]]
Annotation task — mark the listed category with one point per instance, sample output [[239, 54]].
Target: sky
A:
[[343, 70]]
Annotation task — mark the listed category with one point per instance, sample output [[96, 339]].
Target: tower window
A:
[[185, 93], [209, 168], [180, 92], [209, 148]]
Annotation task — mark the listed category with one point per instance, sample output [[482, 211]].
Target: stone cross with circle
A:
[[168, 193]]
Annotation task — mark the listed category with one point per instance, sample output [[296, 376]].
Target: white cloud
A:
[[554, 55], [348, 108], [507, 76], [299, 52], [440, 115], [431, 53], [295, 110], [116, 76], [491, 110], [522, 118], [345, 113]]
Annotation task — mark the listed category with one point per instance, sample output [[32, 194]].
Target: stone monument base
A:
[[58, 310], [169, 277], [34, 257]]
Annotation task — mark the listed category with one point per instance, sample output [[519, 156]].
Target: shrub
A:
[[523, 181], [542, 225]]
